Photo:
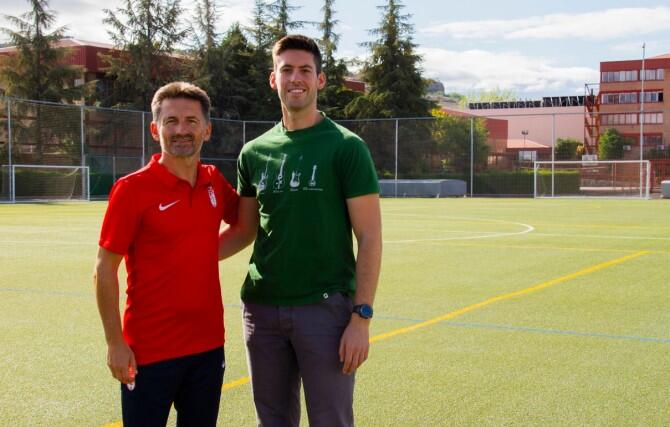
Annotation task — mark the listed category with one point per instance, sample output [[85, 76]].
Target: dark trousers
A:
[[192, 383], [290, 345]]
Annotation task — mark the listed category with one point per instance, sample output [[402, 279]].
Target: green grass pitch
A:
[[488, 312]]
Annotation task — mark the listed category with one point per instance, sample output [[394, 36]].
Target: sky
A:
[[532, 48]]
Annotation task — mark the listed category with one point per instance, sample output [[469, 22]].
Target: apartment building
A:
[[630, 99]]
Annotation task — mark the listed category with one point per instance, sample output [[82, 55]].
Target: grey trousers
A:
[[288, 344]]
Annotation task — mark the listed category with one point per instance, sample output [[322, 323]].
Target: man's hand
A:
[[121, 362], [355, 344]]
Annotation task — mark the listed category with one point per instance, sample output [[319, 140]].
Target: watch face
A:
[[365, 311]]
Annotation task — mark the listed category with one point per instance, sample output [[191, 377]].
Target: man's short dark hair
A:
[[180, 90], [298, 42]]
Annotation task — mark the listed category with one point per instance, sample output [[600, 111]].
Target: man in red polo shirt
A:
[[165, 219]]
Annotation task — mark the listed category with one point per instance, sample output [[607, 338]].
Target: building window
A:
[[653, 118], [631, 75], [631, 97], [527, 156], [657, 74], [619, 119], [653, 141]]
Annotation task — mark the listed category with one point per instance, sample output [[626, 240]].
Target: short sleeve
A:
[[230, 201], [122, 219], [358, 174], [244, 186]]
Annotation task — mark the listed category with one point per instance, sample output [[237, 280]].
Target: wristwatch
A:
[[363, 310]]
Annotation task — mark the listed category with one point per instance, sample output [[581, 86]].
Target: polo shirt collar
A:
[[170, 180]]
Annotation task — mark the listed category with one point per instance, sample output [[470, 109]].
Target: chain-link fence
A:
[[492, 152]]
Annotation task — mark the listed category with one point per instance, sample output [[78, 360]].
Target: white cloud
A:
[[598, 25], [84, 17], [475, 70]]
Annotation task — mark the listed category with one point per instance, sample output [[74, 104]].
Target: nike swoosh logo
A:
[[163, 207]]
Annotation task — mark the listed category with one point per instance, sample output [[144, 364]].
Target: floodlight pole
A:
[[642, 117]]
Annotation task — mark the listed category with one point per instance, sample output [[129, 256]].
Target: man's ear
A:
[[321, 80], [273, 80], [208, 132], [153, 127]]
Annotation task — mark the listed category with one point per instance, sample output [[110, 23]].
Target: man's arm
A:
[[234, 238], [365, 216], [105, 278]]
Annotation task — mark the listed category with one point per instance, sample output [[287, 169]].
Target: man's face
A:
[[295, 79], [181, 128]]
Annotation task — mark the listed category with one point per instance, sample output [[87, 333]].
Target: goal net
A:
[[46, 182], [596, 178]]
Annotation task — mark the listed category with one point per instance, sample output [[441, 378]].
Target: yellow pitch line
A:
[[236, 383], [508, 296], [456, 313]]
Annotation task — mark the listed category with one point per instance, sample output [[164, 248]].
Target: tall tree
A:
[[207, 61], [262, 38], [235, 88], [36, 71], [392, 71], [145, 33], [335, 69], [334, 97], [280, 13]]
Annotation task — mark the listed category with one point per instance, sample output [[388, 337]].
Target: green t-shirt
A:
[[301, 179]]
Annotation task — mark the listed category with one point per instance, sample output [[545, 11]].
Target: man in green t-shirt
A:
[[307, 301]]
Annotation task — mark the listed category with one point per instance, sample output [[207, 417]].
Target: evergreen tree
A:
[[392, 72], [145, 33], [36, 71], [264, 99], [207, 56], [280, 11], [334, 97], [236, 91]]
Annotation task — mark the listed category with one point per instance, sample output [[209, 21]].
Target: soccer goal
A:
[[597, 178], [46, 182]]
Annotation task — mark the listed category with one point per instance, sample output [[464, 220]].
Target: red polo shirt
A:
[[168, 232]]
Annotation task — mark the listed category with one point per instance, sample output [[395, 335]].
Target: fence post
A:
[[144, 136], [553, 151], [9, 150], [85, 183], [472, 155], [396, 159], [81, 135], [244, 132]]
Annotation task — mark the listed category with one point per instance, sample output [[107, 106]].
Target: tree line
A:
[[158, 41], [155, 44]]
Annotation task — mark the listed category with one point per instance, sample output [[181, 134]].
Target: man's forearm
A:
[[368, 265], [107, 295], [233, 239]]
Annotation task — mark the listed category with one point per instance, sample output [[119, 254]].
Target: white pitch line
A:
[[603, 236], [46, 242], [527, 229]]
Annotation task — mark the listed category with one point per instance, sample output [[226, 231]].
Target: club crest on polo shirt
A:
[[212, 196]]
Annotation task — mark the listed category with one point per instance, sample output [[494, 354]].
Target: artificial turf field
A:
[[488, 312]]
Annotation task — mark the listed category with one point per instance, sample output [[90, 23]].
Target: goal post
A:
[[46, 182], [592, 178]]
